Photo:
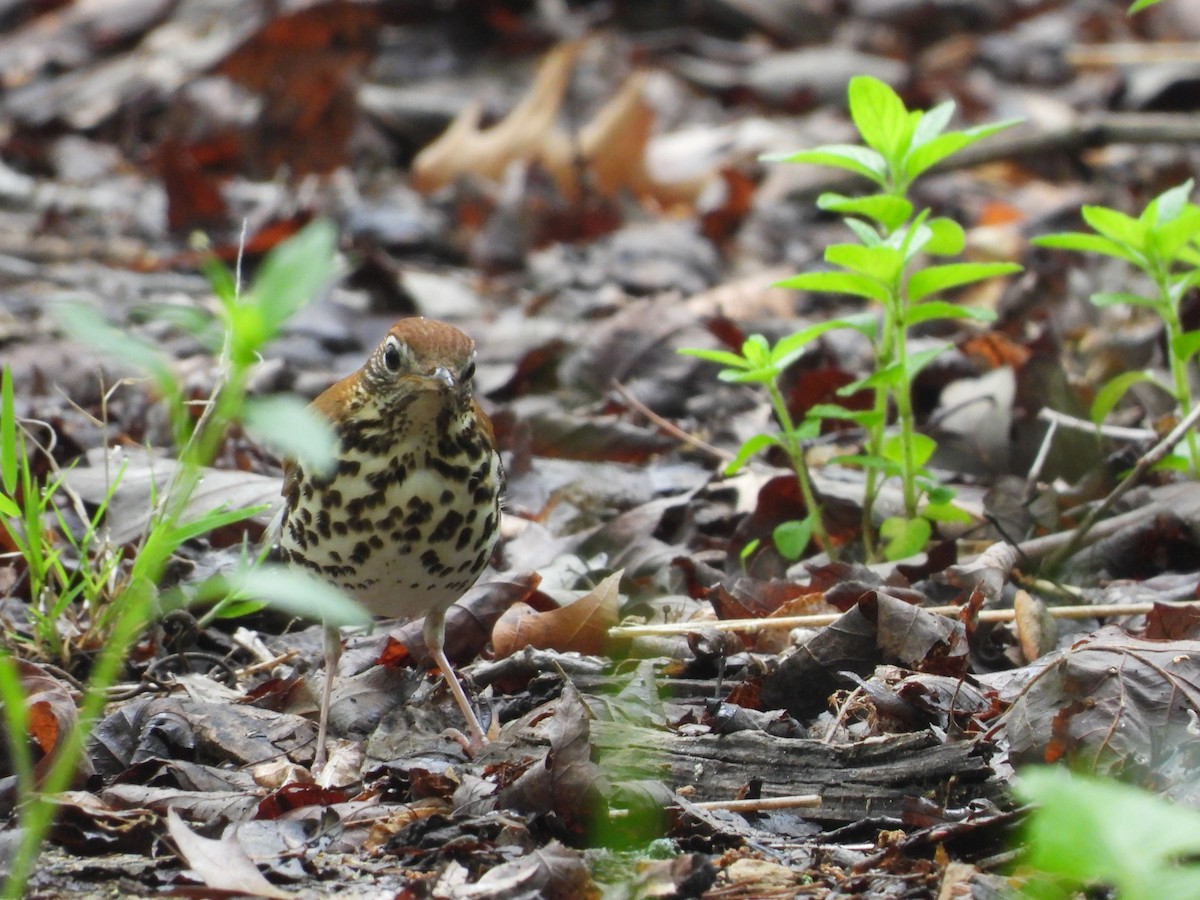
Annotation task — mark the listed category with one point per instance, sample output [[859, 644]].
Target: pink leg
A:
[[333, 652], [435, 637]]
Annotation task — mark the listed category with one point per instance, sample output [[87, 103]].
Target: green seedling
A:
[[122, 598], [761, 363], [888, 266], [1164, 243]]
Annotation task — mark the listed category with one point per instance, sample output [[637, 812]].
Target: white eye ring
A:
[[391, 354]]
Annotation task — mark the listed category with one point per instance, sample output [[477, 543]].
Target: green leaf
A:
[[756, 350], [946, 237], [1139, 5], [10, 447], [293, 273], [880, 116], [291, 428], [1168, 239], [889, 376], [941, 309], [918, 361], [945, 512], [237, 609], [888, 210], [933, 122], [750, 448], [923, 447], [1116, 226], [9, 508], [939, 494], [297, 592], [1088, 243], [1115, 388], [863, 160], [929, 154], [1184, 346], [211, 521], [951, 275], [838, 283], [1092, 831], [89, 327], [789, 348], [880, 263], [867, 461], [864, 417], [865, 323], [722, 357], [865, 232], [904, 537], [1116, 298], [220, 278], [1171, 203], [761, 375], [791, 538]]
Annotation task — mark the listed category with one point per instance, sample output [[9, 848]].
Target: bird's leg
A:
[[333, 652], [435, 636]]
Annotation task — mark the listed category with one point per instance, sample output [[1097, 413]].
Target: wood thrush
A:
[[409, 517]]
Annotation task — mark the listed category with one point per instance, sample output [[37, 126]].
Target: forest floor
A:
[[600, 203]]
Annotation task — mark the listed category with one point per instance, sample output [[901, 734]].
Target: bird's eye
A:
[[391, 355], [469, 372]]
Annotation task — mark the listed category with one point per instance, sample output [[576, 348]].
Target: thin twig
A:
[[795, 801], [818, 620], [1145, 463], [1116, 432], [669, 426]]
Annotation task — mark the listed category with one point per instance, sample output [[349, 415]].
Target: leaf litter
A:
[[580, 264]]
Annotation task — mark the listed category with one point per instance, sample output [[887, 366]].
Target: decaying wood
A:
[[874, 777]]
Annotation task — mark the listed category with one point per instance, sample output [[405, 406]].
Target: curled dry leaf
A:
[[51, 713], [1036, 629], [612, 146], [581, 626]]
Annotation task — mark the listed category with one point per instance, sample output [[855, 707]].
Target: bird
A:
[[408, 516]]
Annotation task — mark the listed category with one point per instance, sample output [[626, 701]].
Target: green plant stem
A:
[[904, 415], [795, 452], [884, 356], [1179, 374], [871, 488]]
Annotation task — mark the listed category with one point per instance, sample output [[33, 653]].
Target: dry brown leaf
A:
[[612, 145], [582, 626], [521, 135]]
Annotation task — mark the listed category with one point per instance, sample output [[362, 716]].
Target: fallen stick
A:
[[818, 620]]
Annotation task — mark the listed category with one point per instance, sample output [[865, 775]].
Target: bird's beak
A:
[[444, 376]]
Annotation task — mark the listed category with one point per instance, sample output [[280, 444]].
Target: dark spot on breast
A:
[[419, 511], [446, 528]]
